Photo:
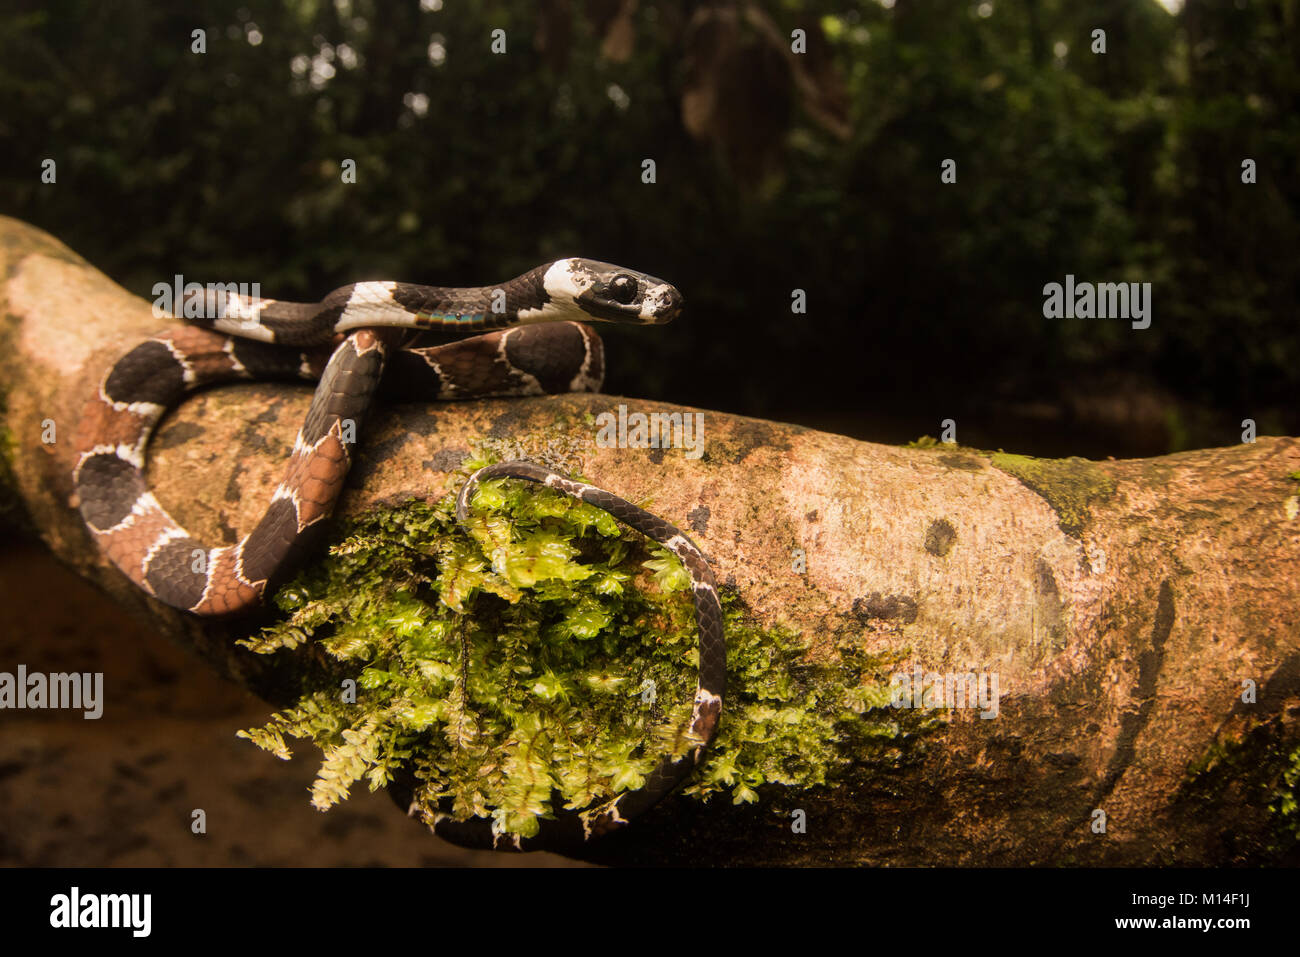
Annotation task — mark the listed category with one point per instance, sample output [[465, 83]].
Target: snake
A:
[[523, 337]]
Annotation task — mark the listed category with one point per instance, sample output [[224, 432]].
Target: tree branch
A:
[[1121, 605]]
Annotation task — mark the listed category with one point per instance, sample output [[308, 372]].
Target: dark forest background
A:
[[775, 171]]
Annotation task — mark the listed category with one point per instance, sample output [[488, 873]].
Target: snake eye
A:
[[623, 288]]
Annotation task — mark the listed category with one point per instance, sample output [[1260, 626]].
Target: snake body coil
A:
[[351, 341]]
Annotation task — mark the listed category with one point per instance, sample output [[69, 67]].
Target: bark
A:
[[1122, 604]]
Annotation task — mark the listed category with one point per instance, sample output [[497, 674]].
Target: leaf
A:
[[268, 739], [540, 556], [585, 620], [549, 687], [744, 795], [670, 574]]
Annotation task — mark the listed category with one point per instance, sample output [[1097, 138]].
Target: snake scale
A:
[[354, 339]]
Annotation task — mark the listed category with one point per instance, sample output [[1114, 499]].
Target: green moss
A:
[[1285, 806], [953, 456], [1257, 770], [1071, 486], [927, 442], [547, 649]]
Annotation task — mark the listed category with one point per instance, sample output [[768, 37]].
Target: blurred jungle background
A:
[[776, 170]]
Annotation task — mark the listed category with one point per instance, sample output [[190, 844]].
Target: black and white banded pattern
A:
[[525, 342]]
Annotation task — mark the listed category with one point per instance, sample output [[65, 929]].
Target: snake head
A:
[[588, 289]]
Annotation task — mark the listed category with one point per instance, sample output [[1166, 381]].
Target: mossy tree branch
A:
[[1122, 605]]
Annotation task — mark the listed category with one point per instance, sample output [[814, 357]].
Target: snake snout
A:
[[662, 303]]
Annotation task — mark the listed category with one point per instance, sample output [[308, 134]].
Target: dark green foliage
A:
[[1285, 806], [924, 299], [1256, 773]]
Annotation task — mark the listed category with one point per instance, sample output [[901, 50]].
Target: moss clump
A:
[[955, 456], [927, 442], [1260, 772], [1285, 806], [1071, 486], [547, 650]]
